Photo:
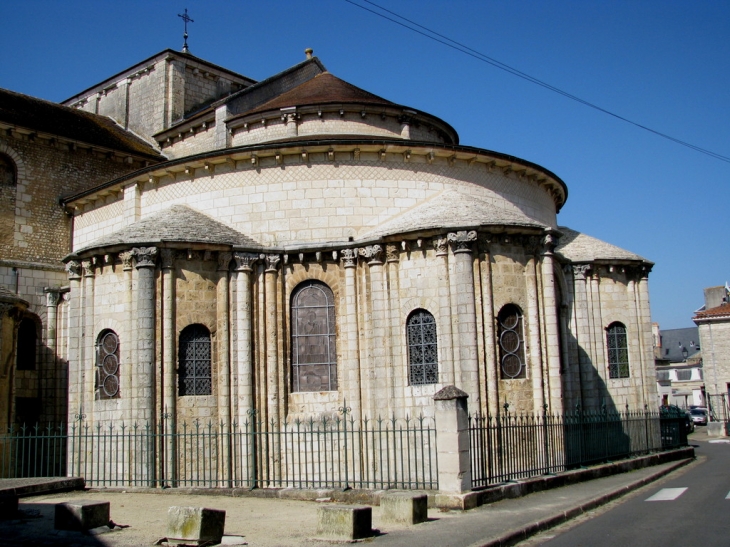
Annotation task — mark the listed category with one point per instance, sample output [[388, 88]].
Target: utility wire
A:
[[453, 44]]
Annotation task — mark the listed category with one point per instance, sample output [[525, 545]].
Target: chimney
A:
[[714, 297], [309, 52]]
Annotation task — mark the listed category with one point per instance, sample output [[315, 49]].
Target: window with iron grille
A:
[[194, 361], [107, 365], [511, 343], [313, 341], [422, 348], [618, 351]]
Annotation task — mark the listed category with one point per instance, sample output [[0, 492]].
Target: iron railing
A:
[[517, 446], [338, 452]]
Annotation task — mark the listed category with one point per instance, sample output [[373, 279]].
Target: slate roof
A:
[[673, 340], [71, 123], [180, 224], [578, 247], [451, 209], [322, 89]]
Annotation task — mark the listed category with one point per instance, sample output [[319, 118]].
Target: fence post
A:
[[452, 440]]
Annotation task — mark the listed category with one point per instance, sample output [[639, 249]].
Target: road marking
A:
[[723, 441], [667, 494], [728, 496]]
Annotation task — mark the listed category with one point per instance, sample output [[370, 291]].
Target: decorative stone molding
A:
[[88, 267], [441, 246], [484, 242], [392, 254], [349, 258], [580, 271], [126, 258], [272, 262], [224, 261], [53, 296], [245, 261], [461, 241], [549, 243], [145, 256], [372, 253], [167, 257], [532, 244], [73, 268]]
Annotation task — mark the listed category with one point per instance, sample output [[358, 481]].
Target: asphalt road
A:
[[689, 508]]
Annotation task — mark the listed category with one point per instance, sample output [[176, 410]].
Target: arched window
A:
[[107, 365], [7, 171], [510, 330], [618, 351], [194, 356], [27, 344], [423, 363], [313, 350]]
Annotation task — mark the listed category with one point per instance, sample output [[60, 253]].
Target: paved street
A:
[[688, 508]]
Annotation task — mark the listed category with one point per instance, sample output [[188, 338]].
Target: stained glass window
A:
[[314, 355], [511, 343], [618, 351], [422, 348], [194, 359], [107, 365]]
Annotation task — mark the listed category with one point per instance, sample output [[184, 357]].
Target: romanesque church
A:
[[180, 240]]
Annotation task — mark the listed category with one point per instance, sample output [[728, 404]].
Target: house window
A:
[[194, 361], [684, 375], [511, 343], [107, 365], [27, 342], [314, 355], [618, 351], [422, 348]]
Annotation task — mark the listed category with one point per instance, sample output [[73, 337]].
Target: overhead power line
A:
[[458, 46]]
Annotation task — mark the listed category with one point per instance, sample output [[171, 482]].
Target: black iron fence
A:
[[338, 452], [517, 446]]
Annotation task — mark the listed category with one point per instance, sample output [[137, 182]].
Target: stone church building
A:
[[180, 240]]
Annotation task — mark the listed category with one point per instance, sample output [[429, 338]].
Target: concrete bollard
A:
[[344, 522], [404, 507], [195, 524], [81, 515]]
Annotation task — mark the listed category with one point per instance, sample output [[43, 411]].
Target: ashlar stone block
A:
[[344, 522], [195, 524], [404, 507], [81, 515]]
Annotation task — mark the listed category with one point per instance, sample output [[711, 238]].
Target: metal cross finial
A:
[[185, 17]]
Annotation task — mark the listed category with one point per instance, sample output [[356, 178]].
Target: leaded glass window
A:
[[107, 365], [618, 351], [422, 348], [314, 353], [194, 360], [510, 331]]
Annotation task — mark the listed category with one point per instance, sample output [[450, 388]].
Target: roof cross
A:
[[185, 17]]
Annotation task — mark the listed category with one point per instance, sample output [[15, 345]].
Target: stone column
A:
[[445, 335], [244, 357], [169, 395], [88, 359], [553, 342], [465, 352], [224, 364], [583, 336], [129, 350], [377, 400], [397, 372], [50, 375], [647, 348], [352, 362], [452, 440], [533, 332], [490, 344], [599, 334], [272, 355]]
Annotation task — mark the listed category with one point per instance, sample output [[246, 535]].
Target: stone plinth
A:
[[344, 522], [716, 429], [404, 507], [81, 515], [195, 524]]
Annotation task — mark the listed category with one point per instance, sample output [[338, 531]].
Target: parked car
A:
[[673, 411], [699, 416]]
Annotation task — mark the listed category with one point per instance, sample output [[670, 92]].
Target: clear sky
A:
[[664, 64]]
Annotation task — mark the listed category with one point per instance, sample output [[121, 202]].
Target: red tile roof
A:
[[720, 311]]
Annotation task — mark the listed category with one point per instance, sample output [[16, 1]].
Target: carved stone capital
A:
[[245, 261], [549, 242], [88, 267], [145, 257], [441, 246], [126, 258], [73, 268], [580, 271], [224, 261], [532, 244], [349, 258], [167, 257], [392, 254], [372, 253], [272, 262], [53, 296], [461, 242]]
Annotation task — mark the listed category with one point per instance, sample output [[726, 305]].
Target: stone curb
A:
[[515, 536], [37, 487]]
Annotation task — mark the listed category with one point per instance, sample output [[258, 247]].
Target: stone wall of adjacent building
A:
[[715, 344]]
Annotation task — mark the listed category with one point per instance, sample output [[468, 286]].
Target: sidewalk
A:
[[264, 522]]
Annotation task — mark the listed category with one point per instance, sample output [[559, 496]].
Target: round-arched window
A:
[[511, 343]]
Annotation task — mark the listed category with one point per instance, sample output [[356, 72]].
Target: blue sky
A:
[[662, 64]]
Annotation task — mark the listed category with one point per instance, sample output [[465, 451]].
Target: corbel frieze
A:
[[224, 261]]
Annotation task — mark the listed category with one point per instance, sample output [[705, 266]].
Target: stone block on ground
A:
[[81, 515], [195, 524], [344, 522], [404, 507], [8, 505], [716, 429]]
